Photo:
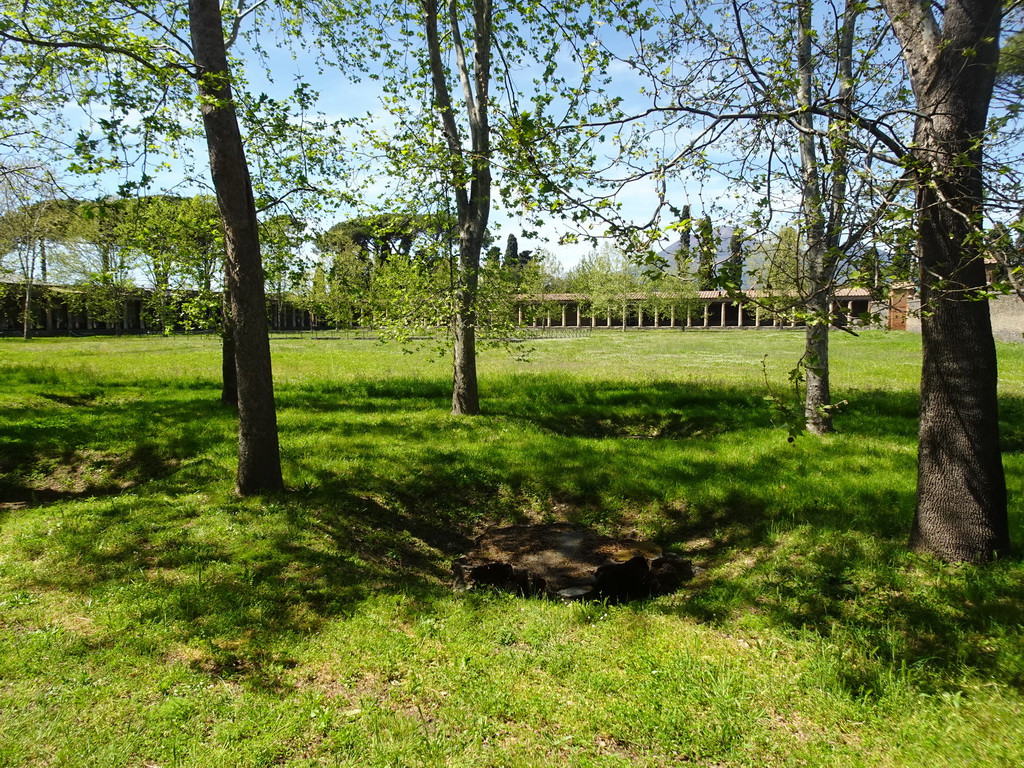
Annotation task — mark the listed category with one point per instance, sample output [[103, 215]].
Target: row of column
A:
[[722, 309], [61, 317]]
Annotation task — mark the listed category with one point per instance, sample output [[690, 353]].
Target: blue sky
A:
[[341, 98]]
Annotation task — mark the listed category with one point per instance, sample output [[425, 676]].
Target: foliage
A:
[[413, 298], [284, 268], [129, 68], [469, 91], [29, 216], [382, 236], [108, 248], [611, 283], [179, 243], [708, 243], [800, 108]]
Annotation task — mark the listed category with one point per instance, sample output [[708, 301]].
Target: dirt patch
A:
[[73, 400], [80, 472], [569, 563]]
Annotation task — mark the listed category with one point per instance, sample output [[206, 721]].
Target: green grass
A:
[[150, 618]]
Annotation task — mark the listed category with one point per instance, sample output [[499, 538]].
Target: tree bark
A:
[[26, 310], [229, 376], [961, 511], [259, 458], [471, 177], [465, 393], [818, 394]]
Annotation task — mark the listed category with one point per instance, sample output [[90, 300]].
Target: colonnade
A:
[[568, 311]]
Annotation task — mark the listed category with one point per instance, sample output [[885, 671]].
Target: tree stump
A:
[[568, 563]]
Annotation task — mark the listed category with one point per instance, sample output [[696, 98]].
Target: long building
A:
[[707, 309], [56, 310]]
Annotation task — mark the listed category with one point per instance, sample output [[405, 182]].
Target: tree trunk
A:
[[817, 396], [818, 393], [259, 458], [26, 311], [229, 376], [961, 494], [471, 174], [465, 395]]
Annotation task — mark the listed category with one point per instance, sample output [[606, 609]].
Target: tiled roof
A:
[[842, 293]]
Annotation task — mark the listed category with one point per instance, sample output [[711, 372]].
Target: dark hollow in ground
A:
[[568, 563]]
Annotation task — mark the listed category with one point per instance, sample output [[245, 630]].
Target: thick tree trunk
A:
[[259, 459], [961, 496], [961, 491]]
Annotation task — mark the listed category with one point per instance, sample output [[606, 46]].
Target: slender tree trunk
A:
[[818, 391], [471, 174], [229, 376], [121, 307], [26, 311], [465, 394], [259, 458], [961, 511], [817, 396]]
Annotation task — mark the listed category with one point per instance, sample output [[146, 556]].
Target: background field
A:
[[150, 618]]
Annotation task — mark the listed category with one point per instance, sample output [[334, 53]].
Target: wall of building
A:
[[1007, 313], [55, 313]]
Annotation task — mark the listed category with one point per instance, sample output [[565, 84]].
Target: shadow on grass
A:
[[77, 445], [917, 619], [226, 589], [805, 539], [560, 405], [660, 410], [889, 616]]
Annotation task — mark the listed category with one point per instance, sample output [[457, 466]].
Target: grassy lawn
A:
[[150, 618]]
